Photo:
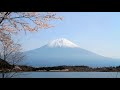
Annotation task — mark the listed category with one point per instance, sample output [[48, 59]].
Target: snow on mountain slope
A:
[[64, 52], [61, 42]]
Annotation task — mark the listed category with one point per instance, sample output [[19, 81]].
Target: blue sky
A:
[[98, 32]]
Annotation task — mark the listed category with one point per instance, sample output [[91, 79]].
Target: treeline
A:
[[50, 68], [80, 69], [6, 66]]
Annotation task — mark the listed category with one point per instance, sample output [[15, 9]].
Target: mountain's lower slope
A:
[[45, 56]]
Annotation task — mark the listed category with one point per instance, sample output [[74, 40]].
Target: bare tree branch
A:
[[11, 53]]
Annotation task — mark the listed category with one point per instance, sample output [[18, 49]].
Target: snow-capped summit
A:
[[63, 52], [61, 42]]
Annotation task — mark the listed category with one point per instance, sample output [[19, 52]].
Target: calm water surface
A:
[[68, 75]]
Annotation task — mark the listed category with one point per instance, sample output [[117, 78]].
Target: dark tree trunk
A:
[[3, 75]]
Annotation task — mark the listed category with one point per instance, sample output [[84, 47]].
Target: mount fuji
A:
[[64, 52]]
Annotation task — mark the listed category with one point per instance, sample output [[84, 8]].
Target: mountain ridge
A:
[[64, 54]]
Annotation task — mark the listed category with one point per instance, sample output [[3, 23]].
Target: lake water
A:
[[68, 75]]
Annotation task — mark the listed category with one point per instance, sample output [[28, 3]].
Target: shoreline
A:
[[62, 69]]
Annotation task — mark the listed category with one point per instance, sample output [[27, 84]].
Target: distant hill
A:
[[4, 64]]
